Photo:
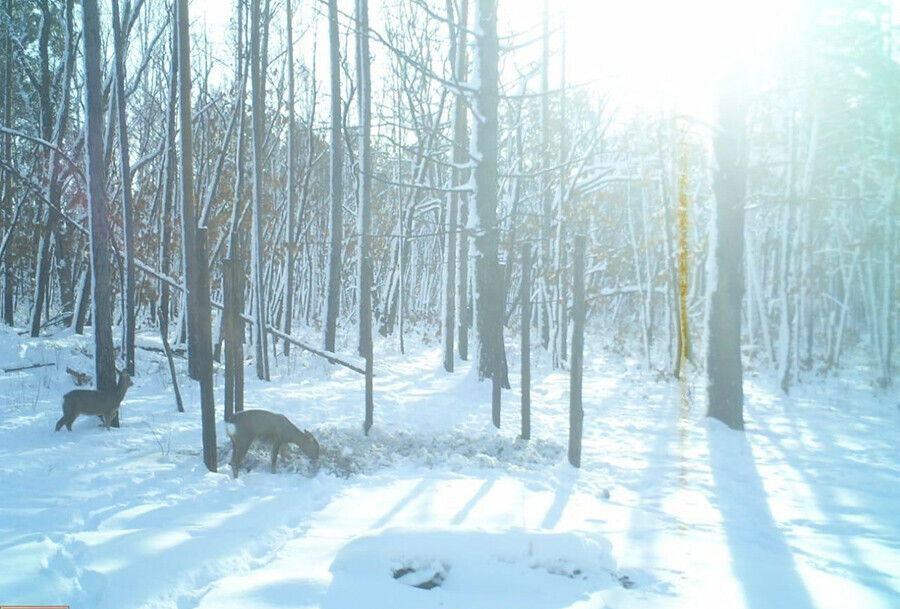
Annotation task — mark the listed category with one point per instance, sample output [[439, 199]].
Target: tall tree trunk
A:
[[337, 192], [125, 170], [460, 153], [196, 265], [725, 389], [546, 199], [104, 356], [576, 409], [785, 326], [489, 306], [257, 83], [291, 187], [188, 206], [364, 225], [42, 273], [8, 272], [562, 297], [169, 185]]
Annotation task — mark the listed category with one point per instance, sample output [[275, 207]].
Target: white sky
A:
[[646, 52]]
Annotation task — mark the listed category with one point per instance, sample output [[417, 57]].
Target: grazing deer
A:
[[249, 425], [104, 404]]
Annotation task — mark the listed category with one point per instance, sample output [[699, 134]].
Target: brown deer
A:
[[104, 404], [249, 425]]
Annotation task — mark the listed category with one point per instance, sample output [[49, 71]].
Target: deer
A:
[[104, 404], [246, 426]]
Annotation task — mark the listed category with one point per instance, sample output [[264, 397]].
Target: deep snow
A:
[[669, 509]]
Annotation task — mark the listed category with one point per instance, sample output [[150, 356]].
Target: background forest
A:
[[821, 203], [625, 216]]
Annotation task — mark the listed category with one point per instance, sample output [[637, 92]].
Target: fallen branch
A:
[[330, 357], [20, 368]]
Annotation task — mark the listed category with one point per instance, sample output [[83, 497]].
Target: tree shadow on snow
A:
[[827, 471], [761, 558]]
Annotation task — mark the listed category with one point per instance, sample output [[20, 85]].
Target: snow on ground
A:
[[438, 509]]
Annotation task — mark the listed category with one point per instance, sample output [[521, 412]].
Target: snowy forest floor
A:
[[670, 509]]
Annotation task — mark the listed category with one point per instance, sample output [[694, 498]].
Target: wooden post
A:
[[204, 353], [576, 412], [526, 341]]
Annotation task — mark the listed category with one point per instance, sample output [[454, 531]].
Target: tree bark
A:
[[333, 303], [8, 273], [725, 388], [169, 185], [291, 187], [104, 356], [460, 157], [489, 306], [576, 409], [188, 211], [364, 225], [125, 170], [526, 341], [257, 84]]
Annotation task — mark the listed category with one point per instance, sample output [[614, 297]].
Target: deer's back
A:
[[89, 401], [263, 425]]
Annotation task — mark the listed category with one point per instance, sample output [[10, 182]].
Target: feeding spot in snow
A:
[[563, 567], [346, 452], [420, 574], [513, 568], [626, 581]]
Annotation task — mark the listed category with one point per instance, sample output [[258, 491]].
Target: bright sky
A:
[[651, 53]]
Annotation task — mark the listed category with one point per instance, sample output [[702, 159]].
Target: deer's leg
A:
[[66, 419], [275, 449], [108, 419], [239, 450]]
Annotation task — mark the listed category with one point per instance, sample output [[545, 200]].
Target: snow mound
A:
[[419, 569]]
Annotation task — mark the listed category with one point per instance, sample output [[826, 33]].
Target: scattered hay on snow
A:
[[347, 452]]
